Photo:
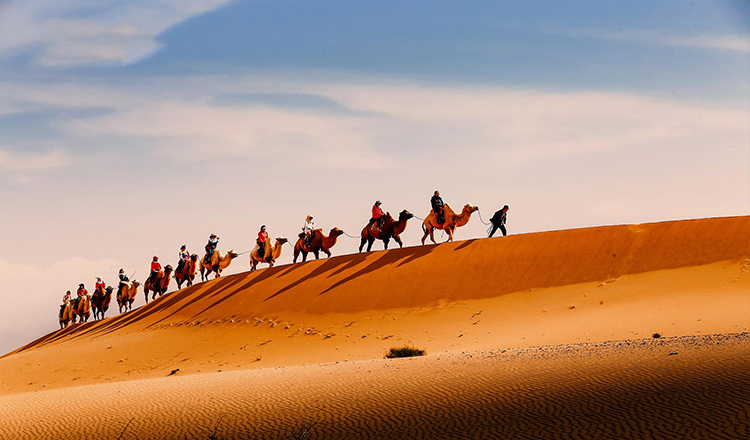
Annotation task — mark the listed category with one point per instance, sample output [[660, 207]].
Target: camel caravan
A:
[[382, 226]]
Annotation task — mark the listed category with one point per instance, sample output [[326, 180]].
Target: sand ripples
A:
[[610, 390]]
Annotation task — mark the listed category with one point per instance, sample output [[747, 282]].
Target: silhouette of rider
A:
[[438, 207]]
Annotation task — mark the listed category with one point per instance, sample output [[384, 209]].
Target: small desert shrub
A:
[[656, 336], [403, 352]]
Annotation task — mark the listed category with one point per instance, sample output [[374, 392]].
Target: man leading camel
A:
[[438, 207], [498, 221]]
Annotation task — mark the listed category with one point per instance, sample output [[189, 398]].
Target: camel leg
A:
[[362, 244], [370, 241], [397, 239], [385, 243], [426, 233], [304, 256], [450, 235]]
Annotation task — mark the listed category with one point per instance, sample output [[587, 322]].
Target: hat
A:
[[436, 192], [155, 257], [378, 202], [183, 247], [80, 285], [98, 278], [122, 270], [212, 236]]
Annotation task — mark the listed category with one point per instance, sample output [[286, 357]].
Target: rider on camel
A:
[[100, 285], [184, 256], [438, 207], [81, 292], [123, 282], [377, 215], [213, 243], [308, 230], [155, 268], [65, 300], [262, 239]]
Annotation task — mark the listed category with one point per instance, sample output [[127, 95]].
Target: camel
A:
[[82, 309], [66, 313], [218, 263], [320, 242], [187, 273], [127, 295], [390, 229], [452, 221], [100, 302], [160, 283], [271, 253]]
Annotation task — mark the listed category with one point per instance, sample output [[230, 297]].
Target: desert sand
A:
[[537, 335]]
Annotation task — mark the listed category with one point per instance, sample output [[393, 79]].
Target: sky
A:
[[129, 128]]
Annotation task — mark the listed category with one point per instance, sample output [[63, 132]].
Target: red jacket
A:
[[82, 292], [377, 212], [155, 266], [101, 285], [262, 237]]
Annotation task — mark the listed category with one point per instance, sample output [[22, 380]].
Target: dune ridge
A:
[[417, 276]]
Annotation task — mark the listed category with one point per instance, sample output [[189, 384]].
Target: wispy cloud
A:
[[28, 161], [734, 42], [75, 33]]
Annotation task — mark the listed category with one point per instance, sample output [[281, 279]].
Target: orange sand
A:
[[561, 287]]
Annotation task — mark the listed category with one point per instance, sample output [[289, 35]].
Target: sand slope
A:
[[595, 284], [680, 388], [304, 343]]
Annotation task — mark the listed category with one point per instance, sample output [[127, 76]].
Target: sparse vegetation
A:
[[405, 351], [656, 336]]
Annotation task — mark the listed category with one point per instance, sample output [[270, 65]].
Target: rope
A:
[[356, 238], [480, 218], [418, 218], [243, 253]]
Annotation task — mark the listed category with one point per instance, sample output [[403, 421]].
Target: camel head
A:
[[169, 268], [232, 254], [405, 215], [194, 257], [281, 240], [471, 208], [109, 289], [135, 284], [335, 232]]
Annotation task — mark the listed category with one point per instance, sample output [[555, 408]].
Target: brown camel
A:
[[66, 313], [159, 284], [320, 242], [391, 229], [127, 295], [218, 263], [100, 301], [82, 309], [452, 221], [187, 273], [271, 253]]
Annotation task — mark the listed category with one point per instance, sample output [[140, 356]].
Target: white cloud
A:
[[27, 161], [409, 119], [83, 32], [736, 42]]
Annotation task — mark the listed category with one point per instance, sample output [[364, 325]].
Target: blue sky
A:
[[128, 128]]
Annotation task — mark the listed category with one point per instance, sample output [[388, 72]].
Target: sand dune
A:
[[680, 388], [510, 293]]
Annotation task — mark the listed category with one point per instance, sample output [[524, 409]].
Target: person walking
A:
[[498, 221]]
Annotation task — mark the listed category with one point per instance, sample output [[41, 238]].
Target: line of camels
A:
[[391, 229]]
